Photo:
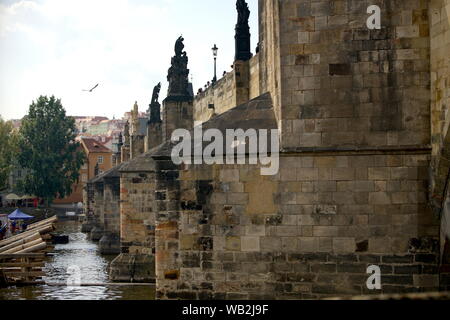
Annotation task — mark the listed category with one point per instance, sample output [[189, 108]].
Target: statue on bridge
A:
[[135, 125], [156, 91], [242, 37], [155, 107], [179, 46], [178, 72], [127, 134], [243, 12]]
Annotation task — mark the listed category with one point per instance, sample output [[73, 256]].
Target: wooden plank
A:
[[36, 274], [22, 255], [25, 246], [41, 260], [33, 237], [42, 230], [37, 247], [17, 270], [45, 221], [42, 222], [21, 264]]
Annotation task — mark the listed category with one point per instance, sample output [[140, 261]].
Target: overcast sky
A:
[[60, 47]]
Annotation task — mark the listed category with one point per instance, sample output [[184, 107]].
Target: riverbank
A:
[[78, 260], [38, 214]]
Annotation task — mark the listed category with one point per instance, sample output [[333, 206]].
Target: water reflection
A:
[[82, 254]]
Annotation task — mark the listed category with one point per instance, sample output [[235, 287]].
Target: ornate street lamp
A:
[[215, 50]]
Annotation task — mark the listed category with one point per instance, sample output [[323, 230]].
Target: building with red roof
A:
[[96, 153]]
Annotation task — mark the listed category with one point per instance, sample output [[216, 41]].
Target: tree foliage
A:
[[47, 148], [8, 147]]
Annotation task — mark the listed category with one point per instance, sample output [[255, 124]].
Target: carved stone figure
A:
[[242, 37], [155, 107], [156, 91], [127, 134], [243, 12], [178, 72], [135, 120], [179, 46]]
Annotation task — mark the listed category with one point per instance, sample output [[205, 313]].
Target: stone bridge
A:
[[364, 163]]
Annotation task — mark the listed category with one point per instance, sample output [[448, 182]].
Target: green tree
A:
[[8, 148], [47, 148]]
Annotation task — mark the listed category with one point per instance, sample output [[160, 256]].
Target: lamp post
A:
[[215, 50]]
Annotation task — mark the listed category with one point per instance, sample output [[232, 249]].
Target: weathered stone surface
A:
[[109, 244], [133, 268], [96, 233], [352, 107]]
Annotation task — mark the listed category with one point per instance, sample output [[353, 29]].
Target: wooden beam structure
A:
[[22, 256]]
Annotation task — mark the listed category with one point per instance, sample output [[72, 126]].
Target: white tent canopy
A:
[[13, 196]]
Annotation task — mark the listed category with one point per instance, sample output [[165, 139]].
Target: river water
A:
[[79, 255]]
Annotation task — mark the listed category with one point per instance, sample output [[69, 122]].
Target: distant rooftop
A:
[[90, 118], [94, 146]]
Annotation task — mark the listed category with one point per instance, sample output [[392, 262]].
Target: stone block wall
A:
[[111, 209], [88, 197], [254, 85], [137, 146], [235, 88], [309, 232], [440, 69], [343, 85], [270, 59], [136, 261], [242, 79], [97, 221], [125, 154], [440, 101], [137, 215], [154, 136], [99, 201], [166, 222], [176, 115], [109, 243], [353, 107], [222, 95]]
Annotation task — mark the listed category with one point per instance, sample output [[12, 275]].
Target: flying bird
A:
[[92, 88]]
